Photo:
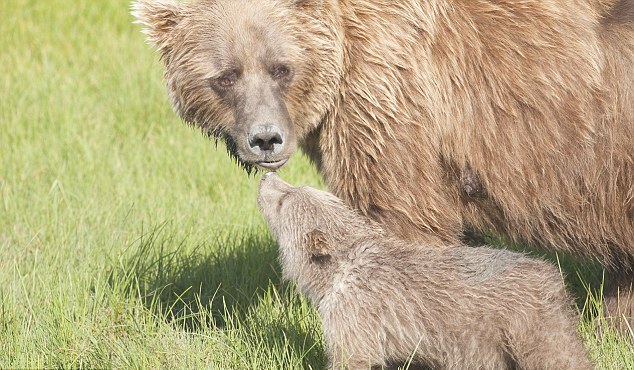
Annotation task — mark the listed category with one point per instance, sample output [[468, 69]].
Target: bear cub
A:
[[385, 302]]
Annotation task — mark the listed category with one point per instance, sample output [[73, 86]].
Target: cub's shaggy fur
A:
[[427, 115], [384, 301]]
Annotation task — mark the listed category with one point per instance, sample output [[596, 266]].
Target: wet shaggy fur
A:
[[513, 116], [384, 301]]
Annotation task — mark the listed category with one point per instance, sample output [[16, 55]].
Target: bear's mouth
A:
[[249, 166], [271, 165]]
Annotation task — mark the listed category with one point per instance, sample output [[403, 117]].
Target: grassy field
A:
[[127, 240]]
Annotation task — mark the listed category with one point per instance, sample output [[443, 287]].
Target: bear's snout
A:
[[265, 139]]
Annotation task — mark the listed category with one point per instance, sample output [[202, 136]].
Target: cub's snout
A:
[[272, 189], [271, 195]]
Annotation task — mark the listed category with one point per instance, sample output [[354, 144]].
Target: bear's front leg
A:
[[346, 357]]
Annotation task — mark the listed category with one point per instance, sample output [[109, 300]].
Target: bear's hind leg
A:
[[618, 302]]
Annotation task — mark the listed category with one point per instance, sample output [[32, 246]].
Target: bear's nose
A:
[[263, 138]]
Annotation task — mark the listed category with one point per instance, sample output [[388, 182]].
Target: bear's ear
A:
[[318, 246], [158, 17]]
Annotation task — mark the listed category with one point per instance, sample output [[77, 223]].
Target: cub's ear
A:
[[158, 17], [318, 245]]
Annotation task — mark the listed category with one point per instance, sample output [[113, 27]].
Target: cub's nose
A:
[[270, 176], [265, 139], [273, 188]]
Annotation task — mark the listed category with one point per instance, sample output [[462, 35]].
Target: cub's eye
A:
[[227, 80], [280, 71]]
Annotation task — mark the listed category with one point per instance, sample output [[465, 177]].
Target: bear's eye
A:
[[280, 71], [227, 80]]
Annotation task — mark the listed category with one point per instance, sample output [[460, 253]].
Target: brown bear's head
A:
[[315, 230], [260, 75]]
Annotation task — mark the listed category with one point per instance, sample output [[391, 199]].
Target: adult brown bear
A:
[[428, 116]]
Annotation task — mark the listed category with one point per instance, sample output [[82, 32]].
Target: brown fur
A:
[[513, 116], [384, 301]]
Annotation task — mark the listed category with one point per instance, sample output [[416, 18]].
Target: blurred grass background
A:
[[127, 239]]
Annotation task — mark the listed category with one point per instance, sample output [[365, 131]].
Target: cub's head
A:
[[314, 229], [258, 74]]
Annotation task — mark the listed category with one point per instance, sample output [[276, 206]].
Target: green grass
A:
[[127, 240]]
